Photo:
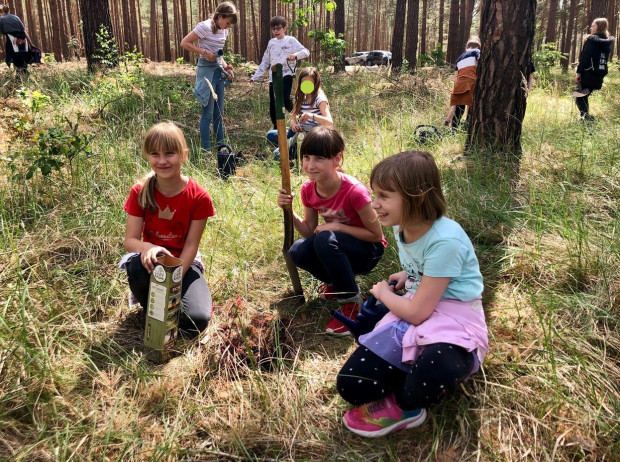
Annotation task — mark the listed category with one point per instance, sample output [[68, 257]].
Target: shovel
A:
[[285, 169]]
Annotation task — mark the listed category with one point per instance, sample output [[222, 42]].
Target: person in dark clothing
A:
[[18, 44], [592, 66]]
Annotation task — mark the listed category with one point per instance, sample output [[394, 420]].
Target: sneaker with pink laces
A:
[[382, 417], [335, 327], [327, 292]]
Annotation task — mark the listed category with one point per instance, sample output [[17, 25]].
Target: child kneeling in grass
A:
[[350, 240], [166, 215], [435, 336]]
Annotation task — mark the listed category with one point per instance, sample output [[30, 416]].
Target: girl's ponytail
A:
[[146, 197]]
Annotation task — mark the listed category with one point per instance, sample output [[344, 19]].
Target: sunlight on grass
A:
[[75, 383]]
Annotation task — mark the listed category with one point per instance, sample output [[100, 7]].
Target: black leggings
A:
[[583, 105], [434, 375], [287, 85], [458, 114]]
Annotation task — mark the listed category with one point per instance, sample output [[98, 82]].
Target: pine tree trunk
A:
[[550, 37], [399, 34], [600, 9], [339, 31], [56, 37], [506, 32], [566, 46], [32, 25], [165, 45], [95, 14], [440, 26], [411, 48], [154, 25], [265, 32], [45, 42], [453, 33], [423, 27]]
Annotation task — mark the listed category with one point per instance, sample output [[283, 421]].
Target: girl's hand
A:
[[295, 126], [292, 57], [284, 199], [149, 258], [209, 55], [380, 289], [228, 68], [400, 279], [333, 226], [306, 116]]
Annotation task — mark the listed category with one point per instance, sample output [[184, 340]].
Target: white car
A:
[[359, 57]]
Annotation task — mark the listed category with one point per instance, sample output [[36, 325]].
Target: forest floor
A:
[[76, 383]]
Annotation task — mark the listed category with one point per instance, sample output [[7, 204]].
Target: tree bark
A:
[[506, 32], [440, 25], [600, 9], [56, 32], [411, 48], [423, 27], [45, 43], [95, 15], [339, 31], [265, 32], [166, 28], [453, 33], [569, 34], [399, 34], [550, 37]]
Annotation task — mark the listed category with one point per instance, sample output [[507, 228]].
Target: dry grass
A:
[[76, 383]]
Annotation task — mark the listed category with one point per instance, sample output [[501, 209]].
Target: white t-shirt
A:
[[207, 40], [277, 51]]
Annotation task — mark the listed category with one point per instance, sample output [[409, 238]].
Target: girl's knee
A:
[[194, 321]]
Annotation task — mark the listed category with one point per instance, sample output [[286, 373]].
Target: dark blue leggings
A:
[[195, 295], [335, 258], [434, 375]]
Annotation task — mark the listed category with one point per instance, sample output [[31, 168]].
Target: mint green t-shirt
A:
[[444, 251]]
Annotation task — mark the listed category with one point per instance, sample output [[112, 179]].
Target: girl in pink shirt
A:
[[350, 240]]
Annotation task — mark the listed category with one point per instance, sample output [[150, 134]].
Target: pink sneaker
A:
[[382, 417], [326, 292], [335, 327]]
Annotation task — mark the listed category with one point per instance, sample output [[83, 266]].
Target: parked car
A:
[[359, 57], [378, 58]]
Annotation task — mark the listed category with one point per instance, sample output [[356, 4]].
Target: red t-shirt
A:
[[344, 206], [168, 226]]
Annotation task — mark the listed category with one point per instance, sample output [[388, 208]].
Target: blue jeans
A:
[[335, 258], [272, 137], [213, 112]]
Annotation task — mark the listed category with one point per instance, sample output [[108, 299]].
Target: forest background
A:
[[155, 28], [75, 381]]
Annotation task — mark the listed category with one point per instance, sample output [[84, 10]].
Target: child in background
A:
[[592, 67], [210, 36], [166, 214], [463, 91], [435, 336], [350, 241], [311, 109], [281, 49]]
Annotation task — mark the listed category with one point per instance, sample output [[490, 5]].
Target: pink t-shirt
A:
[[169, 225], [344, 206]]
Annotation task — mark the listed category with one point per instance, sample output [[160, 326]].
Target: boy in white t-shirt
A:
[[282, 49]]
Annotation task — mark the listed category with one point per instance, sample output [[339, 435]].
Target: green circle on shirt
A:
[[307, 87]]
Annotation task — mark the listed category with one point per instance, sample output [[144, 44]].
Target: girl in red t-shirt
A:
[[166, 214], [350, 240]]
